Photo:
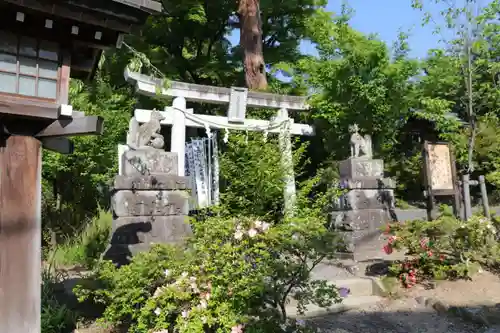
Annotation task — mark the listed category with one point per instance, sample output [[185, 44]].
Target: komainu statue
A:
[[360, 144], [146, 135]]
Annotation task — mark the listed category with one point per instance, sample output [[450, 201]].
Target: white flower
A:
[[167, 273], [204, 320], [203, 304], [252, 232], [184, 314], [157, 311], [192, 278], [265, 226], [238, 235], [258, 224], [158, 292], [184, 274]]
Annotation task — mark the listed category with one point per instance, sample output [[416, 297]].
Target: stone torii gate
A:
[[179, 117]]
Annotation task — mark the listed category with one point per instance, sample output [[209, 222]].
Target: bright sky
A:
[[385, 18]]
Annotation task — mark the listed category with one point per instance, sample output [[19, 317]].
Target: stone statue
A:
[[359, 143], [146, 135]]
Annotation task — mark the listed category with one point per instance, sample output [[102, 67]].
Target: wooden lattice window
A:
[[29, 66]]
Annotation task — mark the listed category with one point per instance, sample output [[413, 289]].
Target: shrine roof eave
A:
[[149, 6], [147, 85], [123, 16]]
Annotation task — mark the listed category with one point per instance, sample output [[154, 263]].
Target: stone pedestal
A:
[[150, 204], [365, 207]]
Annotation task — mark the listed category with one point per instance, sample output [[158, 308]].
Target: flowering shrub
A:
[[446, 248], [236, 274]]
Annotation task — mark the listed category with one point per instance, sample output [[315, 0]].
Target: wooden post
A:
[[466, 196], [20, 235], [484, 197], [178, 134], [285, 144]]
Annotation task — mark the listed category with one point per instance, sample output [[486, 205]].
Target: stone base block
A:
[[147, 162], [150, 229], [355, 168], [357, 220], [150, 203], [368, 183], [131, 235], [121, 254], [352, 239], [367, 199], [158, 182]]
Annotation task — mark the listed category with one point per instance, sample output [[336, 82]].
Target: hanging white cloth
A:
[[202, 166]]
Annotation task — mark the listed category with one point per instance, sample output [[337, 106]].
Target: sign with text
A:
[[440, 169]]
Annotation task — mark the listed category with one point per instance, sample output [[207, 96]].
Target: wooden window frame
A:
[[61, 79]]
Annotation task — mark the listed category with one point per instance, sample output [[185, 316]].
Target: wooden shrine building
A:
[[44, 43]]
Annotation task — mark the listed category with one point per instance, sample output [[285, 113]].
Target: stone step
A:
[[348, 303], [358, 286]]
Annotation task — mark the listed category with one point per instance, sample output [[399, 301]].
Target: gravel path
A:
[[393, 316]]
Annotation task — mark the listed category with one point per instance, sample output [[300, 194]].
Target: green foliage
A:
[[463, 77], [55, 316], [446, 248], [237, 271], [86, 247], [76, 185], [252, 174]]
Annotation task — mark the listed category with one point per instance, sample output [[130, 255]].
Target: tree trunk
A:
[[251, 43]]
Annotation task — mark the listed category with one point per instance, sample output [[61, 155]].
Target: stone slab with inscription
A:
[[356, 168], [157, 182], [367, 183], [150, 203], [357, 199], [148, 162]]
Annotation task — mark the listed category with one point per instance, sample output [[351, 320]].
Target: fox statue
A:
[[360, 144], [146, 135]]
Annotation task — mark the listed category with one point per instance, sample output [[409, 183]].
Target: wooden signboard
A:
[[440, 173]]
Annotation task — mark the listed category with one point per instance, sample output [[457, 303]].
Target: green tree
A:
[[463, 77], [356, 79], [76, 185]]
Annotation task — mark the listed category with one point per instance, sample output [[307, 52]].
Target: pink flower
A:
[[388, 249], [424, 242], [392, 239], [237, 329], [252, 232]]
